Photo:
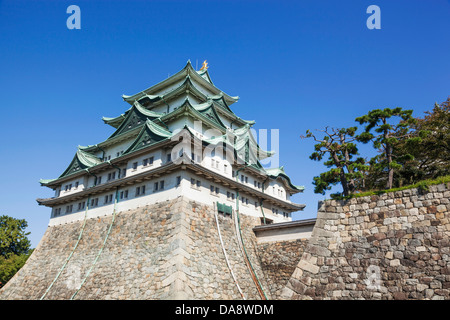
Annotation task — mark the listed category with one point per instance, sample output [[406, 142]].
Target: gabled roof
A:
[[150, 133], [203, 111], [275, 173], [187, 86], [205, 75], [246, 138], [208, 110], [114, 122], [81, 161], [224, 109], [188, 70], [134, 117]]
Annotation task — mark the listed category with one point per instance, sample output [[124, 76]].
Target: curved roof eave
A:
[[275, 173], [189, 70], [155, 129], [137, 107], [86, 160], [187, 106]]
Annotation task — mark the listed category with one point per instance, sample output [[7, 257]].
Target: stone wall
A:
[[278, 260], [392, 246], [169, 250]]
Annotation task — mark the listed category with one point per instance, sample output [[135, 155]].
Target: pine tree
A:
[[430, 146], [338, 145], [387, 136]]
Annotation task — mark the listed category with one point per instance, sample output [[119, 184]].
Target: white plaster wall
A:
[[120, 147], [170, 191], [225, 121], [81, 185], [276, 189], [201, 194], [204, 195], [178, 124], [158, 160], [285, 234]]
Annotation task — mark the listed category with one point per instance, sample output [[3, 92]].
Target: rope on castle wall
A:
[[71, 254], [101, 249], [242, 245], [225, 253]]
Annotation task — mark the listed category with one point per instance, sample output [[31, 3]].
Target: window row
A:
[[108, 157], [68, 187], [112, 176], [284, 213], [214, 190], [278, 192], [245, 179], [145, 163], [108, 199]]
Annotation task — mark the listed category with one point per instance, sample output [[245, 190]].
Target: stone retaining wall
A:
[[169, 250], [278, 261], [392, 246]]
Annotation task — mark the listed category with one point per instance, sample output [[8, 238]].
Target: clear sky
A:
[[296, 65]]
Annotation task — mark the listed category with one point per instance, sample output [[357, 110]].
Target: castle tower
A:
[[179, 137], [164, 207]]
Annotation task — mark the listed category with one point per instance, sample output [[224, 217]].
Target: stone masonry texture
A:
[[278, 260], [385, 247], [391, 246], [168, 250]]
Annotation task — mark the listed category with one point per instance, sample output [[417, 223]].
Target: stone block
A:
[[306, 266], [399, 295], [319, 251], [394, 263]]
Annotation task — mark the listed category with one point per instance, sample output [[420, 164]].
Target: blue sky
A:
[[296, 65]]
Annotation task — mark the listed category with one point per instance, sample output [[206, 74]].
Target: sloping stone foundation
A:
[[278, 260], [169, 250]]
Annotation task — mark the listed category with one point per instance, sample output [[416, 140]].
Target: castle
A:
[[178, 146], [166, 208], [179, 137]]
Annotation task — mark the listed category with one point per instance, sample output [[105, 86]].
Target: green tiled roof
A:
[[81, 161], [136, 116], [150, 133], [147, 127], [274, 173], [188, 70]]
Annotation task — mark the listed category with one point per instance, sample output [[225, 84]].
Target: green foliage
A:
[[13, 239], [14, 247], [337, 145], [9, 266], [430, 147], [423, 186], [411, 152], [387, 136]]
